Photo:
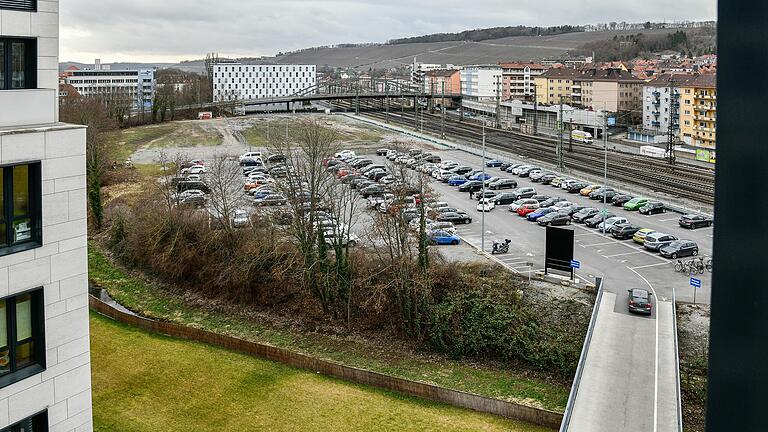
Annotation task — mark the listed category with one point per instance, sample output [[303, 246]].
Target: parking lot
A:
[[623, 264]]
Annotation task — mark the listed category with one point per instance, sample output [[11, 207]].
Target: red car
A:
[[526, 209]]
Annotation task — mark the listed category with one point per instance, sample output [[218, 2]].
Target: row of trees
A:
[[488, 34], [627, 47]]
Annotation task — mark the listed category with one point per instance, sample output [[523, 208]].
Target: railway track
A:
[[681, 180]]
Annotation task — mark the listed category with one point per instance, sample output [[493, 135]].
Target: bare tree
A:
[[225, 179]]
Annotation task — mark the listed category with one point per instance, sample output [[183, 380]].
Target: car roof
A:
[[639, 292]]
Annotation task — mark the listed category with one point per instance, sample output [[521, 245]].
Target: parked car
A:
[[610, 223], [555, 182], [541, 198], [504, 198], [598, 218], [187, 185], [635, 204], [693, 221], [600, 194], [540, 212], [654, 207], [641, 234], [486, 204], [551, 201], [433, 159], [589, 189], [382, 152], [554, 218], [525, 172], [512, 167], [624, 231], [576, 187], [494, 163], [271, 200], [524, 192], [561, 205], [572, 209], [372, 190], [639, 301], [679, 248], [657, 240], [527, 209], [620, 199], [584, 214], [503, 184], [472, 185], [442, 226], [457, 180], [515, 206], [456, 218], [537, 175], [276, 159], [349, 239], [440, 237], [462, 170], [249, 155], [547, 178], [240, 219], [481, 176], [486, 194]]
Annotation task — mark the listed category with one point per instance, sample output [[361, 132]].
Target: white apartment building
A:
[[661, 104], [481, 82], [45, 376], [418, 70], [235, 81], [135, 85]]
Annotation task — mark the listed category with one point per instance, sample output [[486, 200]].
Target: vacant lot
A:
[[146, 382], [166, 135]]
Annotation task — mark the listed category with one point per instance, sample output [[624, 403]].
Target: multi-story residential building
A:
[[609, 89], [698, 110], [481, 82], [235, 81], [518, 80], [135, 86], [661, 103], [419, 70], [45, 377], [443, 81]]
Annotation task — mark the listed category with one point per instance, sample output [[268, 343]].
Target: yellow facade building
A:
[[698, 110], [612, 89]]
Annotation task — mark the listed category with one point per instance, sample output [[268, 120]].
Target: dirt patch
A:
[[693, 337]]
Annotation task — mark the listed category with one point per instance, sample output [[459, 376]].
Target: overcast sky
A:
[[173, 30]]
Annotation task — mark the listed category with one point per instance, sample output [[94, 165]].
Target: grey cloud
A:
[[176, 29]]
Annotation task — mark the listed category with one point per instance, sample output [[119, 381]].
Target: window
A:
[[18, 63], [36, 423], [20, 200], [25, 5], [22, 333]]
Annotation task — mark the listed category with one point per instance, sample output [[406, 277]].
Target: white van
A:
[[581, 136]]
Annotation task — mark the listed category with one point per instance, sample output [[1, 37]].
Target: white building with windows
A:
[[481, 82], [235, 81], [135, 85], [661, 103], [45, 374]]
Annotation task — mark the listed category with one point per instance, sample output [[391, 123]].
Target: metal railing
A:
[[583, 359]]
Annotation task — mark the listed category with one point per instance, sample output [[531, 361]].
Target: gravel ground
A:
[[693, 335]]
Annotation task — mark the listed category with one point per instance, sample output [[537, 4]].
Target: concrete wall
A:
[[453, 397], [60, 266]]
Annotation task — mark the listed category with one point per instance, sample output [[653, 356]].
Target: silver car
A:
[[657, 240]]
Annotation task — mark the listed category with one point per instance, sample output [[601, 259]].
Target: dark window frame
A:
[[30, 68], [19, 5], [39, 423], [38, 337], [35, 187]]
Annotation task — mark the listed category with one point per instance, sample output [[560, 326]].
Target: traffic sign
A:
[[696, 283], [575, 264]]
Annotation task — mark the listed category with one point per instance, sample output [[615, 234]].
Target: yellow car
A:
[[639, 236], [589, 189]]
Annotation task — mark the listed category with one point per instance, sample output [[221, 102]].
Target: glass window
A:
[[5, 360], [18, 64], [24, 338], [2, 66], [21, 337]]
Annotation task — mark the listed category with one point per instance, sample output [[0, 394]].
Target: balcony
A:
[[656, 113], [703, 129], [656, 94], [706, 96], [656, 103], [27, 107], [656, 123], [705, 107], [706, 118]]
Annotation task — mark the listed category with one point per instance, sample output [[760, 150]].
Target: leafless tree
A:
[[225, 179]]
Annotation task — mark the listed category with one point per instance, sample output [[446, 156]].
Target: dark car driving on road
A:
[[639, 301]]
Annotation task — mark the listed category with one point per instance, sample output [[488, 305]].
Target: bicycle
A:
[[708, 263]]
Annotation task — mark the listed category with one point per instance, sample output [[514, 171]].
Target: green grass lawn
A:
[[503, 383], [147, 382]]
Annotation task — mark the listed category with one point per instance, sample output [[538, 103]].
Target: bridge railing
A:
[[583, 359]]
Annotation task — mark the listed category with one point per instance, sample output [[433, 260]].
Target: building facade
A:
[[518, 80], [419, 70], [661, 103], [136, 86], [698, 111], [443, 82], [481, 82], [234, 81], [45, 376], [609, 89]]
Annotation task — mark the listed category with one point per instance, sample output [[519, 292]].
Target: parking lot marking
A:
[[650, 265], [622, 254], [668, 220], [598, 244]]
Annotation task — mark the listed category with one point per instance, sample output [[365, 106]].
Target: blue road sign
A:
[[696, 283], [575, 264]]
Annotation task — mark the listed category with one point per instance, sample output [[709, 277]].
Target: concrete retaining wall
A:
[[452, 397]]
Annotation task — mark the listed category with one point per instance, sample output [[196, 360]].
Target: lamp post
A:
[[482, 197]]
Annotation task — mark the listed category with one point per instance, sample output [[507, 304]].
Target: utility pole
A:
[[535, 111], [605, 167], [357, 96], [570, 134], [674, 112], [482, 197]]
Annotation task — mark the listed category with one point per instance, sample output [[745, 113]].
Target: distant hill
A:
[[401, 52]]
